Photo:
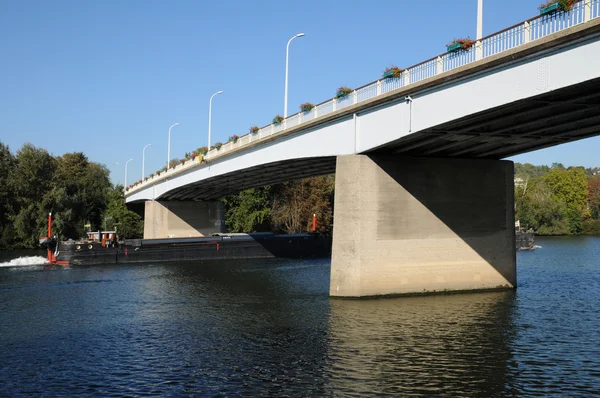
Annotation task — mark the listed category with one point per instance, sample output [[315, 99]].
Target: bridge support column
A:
[[422, 225], [175, 219]]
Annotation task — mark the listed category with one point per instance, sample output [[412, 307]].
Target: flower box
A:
[[342, 92], [460, 44], [254, 129], [552, 8], [233, 138], [392, 73], [306, 107], [217, 146], [454, 47], [277, 120]]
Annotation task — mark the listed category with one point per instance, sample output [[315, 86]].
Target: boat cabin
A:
[[108, 238]]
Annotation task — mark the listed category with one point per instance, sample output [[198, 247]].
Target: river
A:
[[268, 327]]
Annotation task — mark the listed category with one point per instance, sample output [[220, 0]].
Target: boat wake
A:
[[25, 261]]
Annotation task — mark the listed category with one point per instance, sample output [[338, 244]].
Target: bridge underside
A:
[[534, 123], [259, 176]]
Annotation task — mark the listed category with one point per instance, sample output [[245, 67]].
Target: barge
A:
[[219, 247], [103, 247]]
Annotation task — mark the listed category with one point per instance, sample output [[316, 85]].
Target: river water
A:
[[269, 328]]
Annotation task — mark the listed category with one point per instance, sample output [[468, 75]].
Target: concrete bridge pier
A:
[[422, 225], [182, 219]]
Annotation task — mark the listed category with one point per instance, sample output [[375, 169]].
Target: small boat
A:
[[525, 239]]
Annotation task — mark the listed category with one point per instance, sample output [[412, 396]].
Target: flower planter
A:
[[306, 107], [454, 47], [552, 8], [392, 72]]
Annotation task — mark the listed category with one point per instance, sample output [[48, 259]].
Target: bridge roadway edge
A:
[[407, 226]]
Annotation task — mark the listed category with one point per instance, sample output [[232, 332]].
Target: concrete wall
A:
[[182, 219], [416, 225]]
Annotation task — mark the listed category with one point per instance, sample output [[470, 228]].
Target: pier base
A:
[[182, 219], [422, 225]]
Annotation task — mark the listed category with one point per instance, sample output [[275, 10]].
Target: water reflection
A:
[[456, 344]]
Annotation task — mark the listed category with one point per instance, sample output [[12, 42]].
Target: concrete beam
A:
[[421, 225]]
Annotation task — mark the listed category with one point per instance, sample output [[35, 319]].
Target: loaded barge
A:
[[104, 247]]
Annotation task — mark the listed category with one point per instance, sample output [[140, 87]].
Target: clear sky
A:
[[106, 77]]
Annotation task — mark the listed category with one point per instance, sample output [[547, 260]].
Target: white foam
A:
[[24, 261]]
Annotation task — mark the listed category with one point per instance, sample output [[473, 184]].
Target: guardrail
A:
[[507, 39]]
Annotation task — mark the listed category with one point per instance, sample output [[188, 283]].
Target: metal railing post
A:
[[440, 65], [378, 87], [587, 10], [334, 104], [478, 50], [526, 32], [355, 95]]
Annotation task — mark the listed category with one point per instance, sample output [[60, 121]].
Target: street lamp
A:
[[143, 158], [210, 114], [169, 145], [479, 19], [287, 50], [126, 171]]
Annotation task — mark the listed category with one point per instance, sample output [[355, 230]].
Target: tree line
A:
[[76, 191], [285, 208], [555, 200], [552, 200]]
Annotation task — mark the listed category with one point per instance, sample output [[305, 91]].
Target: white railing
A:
[[507, 39]]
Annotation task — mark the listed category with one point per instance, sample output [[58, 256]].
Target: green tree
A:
[[570, 187], [7, 164], [31, 183], [117, 216], [537, 208], [248, 210]]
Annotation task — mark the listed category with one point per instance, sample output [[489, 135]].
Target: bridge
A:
[[423, 202]]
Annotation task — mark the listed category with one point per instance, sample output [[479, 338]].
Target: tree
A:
[[31, 183], [538, 209], [7, 163], [248, 210], [295, 202], [570, 187], [594, 197], [117, 216]]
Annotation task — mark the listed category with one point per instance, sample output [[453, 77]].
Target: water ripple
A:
[[268, 328]]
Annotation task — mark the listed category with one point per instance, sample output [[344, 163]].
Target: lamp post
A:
[[143, 158], [287, 51], [126, 171], [479, 19], [169, 145], [210, 114]]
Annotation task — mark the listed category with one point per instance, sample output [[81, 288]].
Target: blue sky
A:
[[107, 77]]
